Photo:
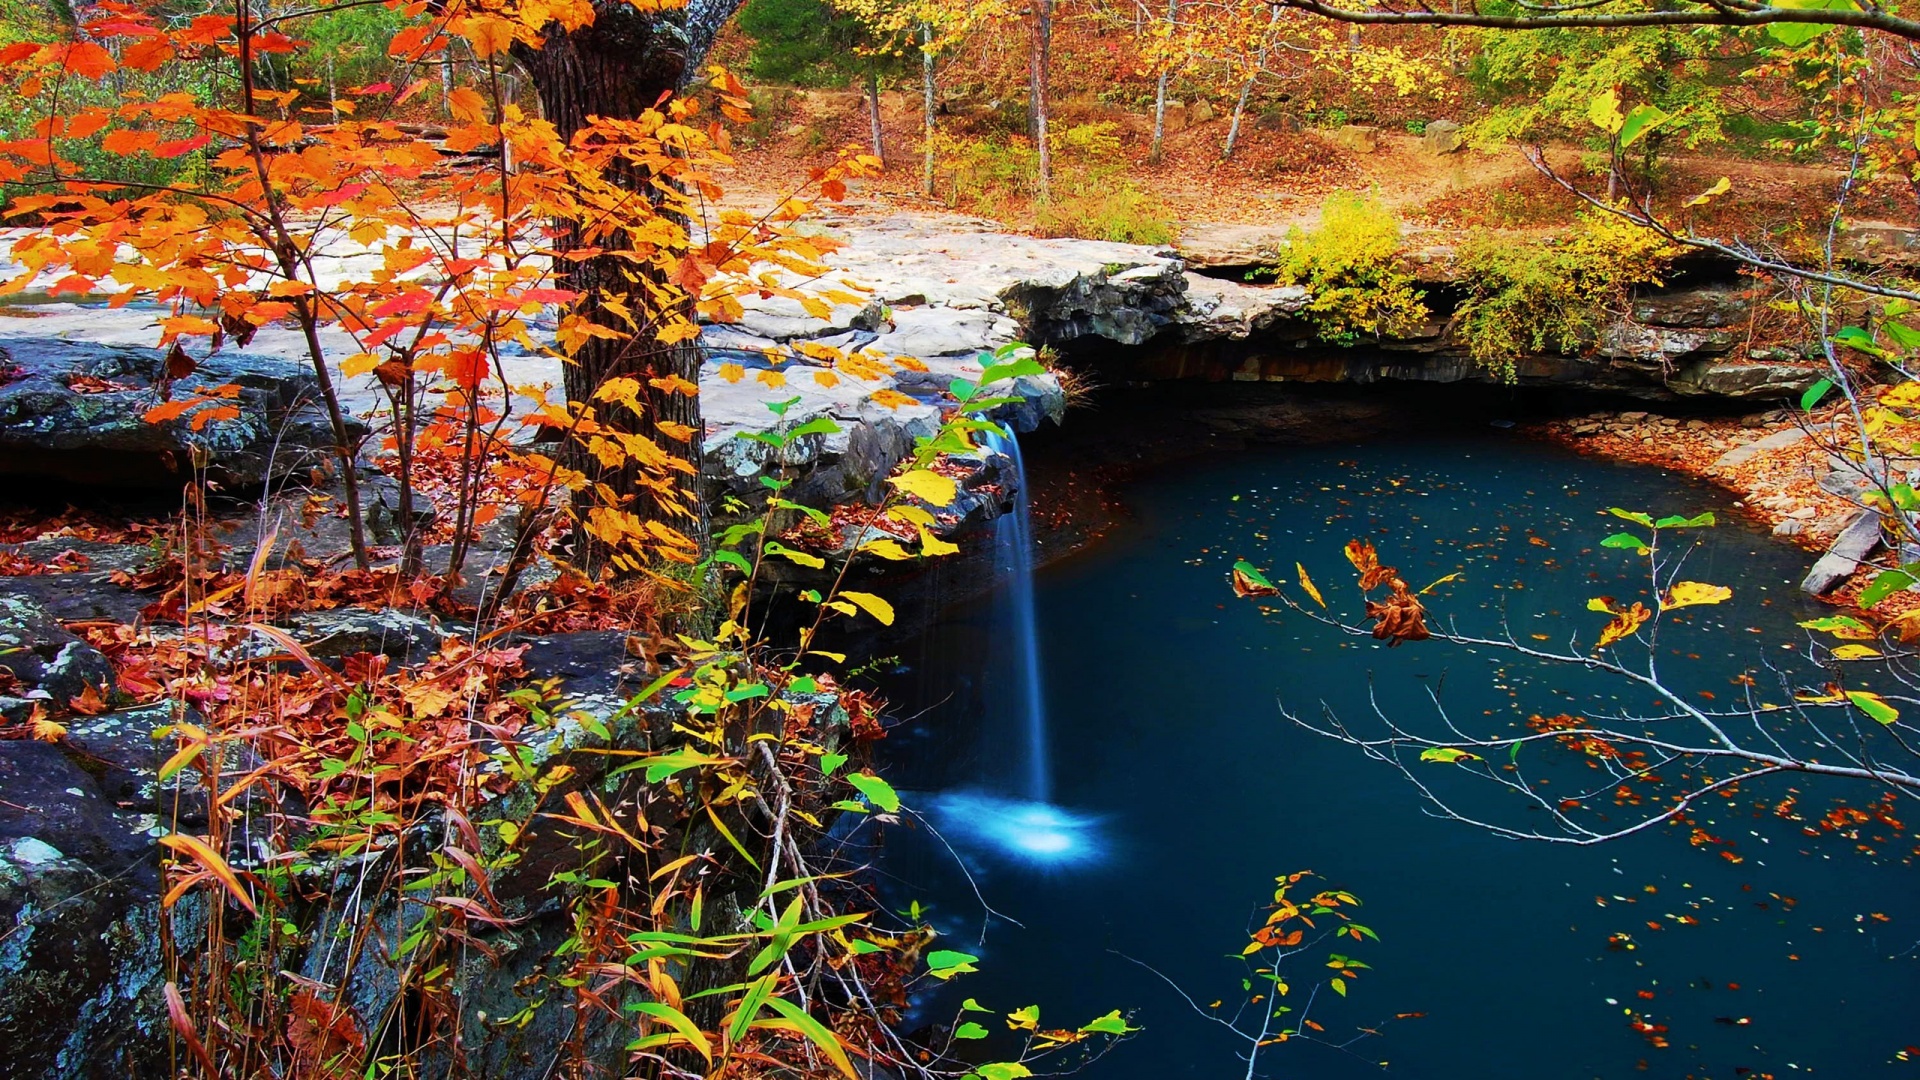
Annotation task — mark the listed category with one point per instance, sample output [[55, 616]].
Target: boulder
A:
[[1176, 117], [1857, 541], [1720, 378], [81, 971], [1441, 137], [1201, 112], [41, 661], [1356, 138], [75, 412]]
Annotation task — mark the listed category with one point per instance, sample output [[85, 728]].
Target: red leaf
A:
[[126, 141], [147, 55], [407, 303], [177, 147], [88, 60]]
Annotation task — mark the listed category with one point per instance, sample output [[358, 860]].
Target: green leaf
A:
[[1885, 584], [944, 964], [1447, 754], [1634, 516], [1110, 1024], [811, 562], [1002, 1070], [1873, 705], [970, 1005], [751, 1004], [819, 425], [1640, 121], [1814, 393], [816, 1033], [733, 559], [1853, 337], [685, 1030], [1796, 34], [831, 762], [1339, 986], [993, 373], [1681, 521], [661, 766], [1901, 334], [970, 1030], [878, 791], [780, 941], [1252, 573], [1627, 541], [1841, 626]]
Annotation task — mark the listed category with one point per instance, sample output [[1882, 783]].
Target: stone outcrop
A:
[[81, 971], [76, 412], [43, 662]]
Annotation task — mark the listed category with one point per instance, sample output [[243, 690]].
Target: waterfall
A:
[[1013, 558], [1027, 827]]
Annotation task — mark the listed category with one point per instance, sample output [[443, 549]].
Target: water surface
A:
[[1190, 792]]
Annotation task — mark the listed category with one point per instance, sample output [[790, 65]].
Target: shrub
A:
[[1351, 266], [1553, 294], [996, 178]]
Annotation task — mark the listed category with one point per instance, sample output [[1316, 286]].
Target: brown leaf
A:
[[1400, 617], [324, 1036], [1244, 586], [393, 373], [1364, 559]]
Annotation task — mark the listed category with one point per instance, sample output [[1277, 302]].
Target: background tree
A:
[[815, 43]]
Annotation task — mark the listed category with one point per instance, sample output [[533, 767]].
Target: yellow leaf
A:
[[732, 373], [774, 379], [467, 104], [1856, 652], [359, 364], [1604, 111], [197, 849], [1720, 187], [927, 486], [1307, 584], [827, 379], [872, 605], [933, 545], [1625, 620], [1691, 593], [911, 514], [887, 549]]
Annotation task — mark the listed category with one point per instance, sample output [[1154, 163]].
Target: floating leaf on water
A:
[[1447, 754]]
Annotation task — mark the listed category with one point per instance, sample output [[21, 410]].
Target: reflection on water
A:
[[1772, 946]]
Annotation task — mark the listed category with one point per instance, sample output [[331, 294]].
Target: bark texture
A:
[[623, 63]]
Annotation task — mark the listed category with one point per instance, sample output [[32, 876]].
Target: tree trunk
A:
[[1041, 59], [617, 67], [927, 104], [1239, 110], [1160, 91], [1246, 88], [873, 111]]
